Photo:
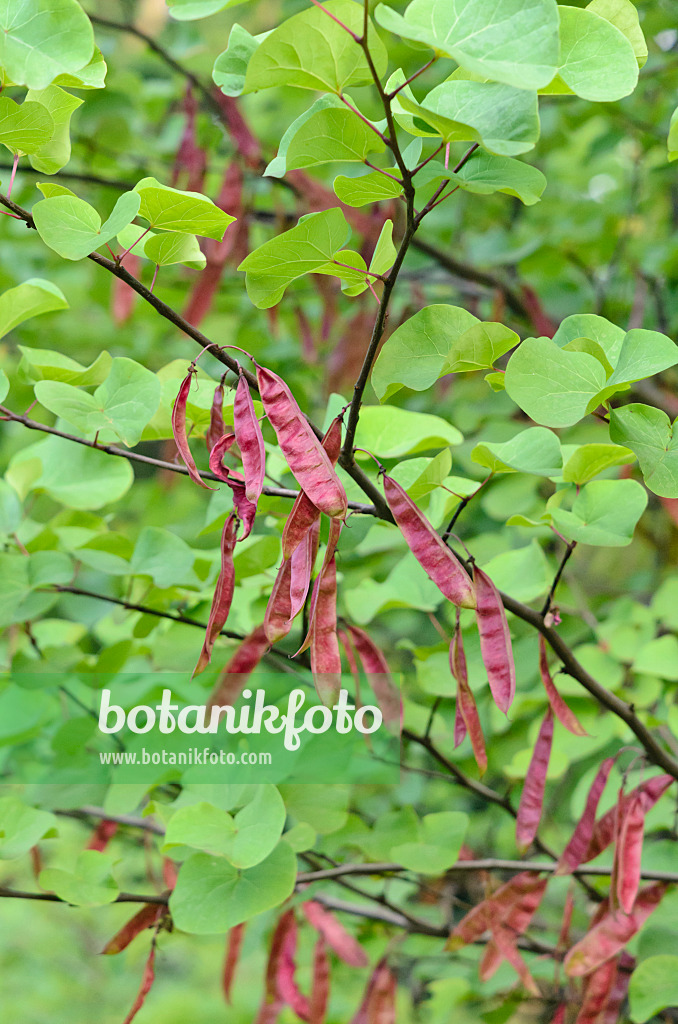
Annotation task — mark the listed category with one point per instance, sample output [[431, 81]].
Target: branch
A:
[[556, 579], [50, 897]]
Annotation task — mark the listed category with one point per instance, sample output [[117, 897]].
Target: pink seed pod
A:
[[609, 936], [216, 427], [304, 453], [272, 1003], [434, 556], [233, 679], [505, 940], [147, 980], [232, 958], [291, 587], [336, 526], [629, 852], [250, 440], [304, 513], [325, 655], [565, 716], [532, 797], [145, 918], [244, 507], [320, 990], [495, 641], [375, 667], [597, 989], [179, 431], [335, 935], [288, 990], [223, 594], [513, 904], [466, 709], [574, 853], [378, 1003], [604, 831]]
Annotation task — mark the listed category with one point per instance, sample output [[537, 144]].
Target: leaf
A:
[[414, 355], [642, 354], [174, 210], [535, 450], [651, 436], [174, 247], [385, 252], [122, 405], [312, 51], [4, 386], [79, 477], [21, 827], [515, 42], [190, 10], [623, 14], [596, 61], [163, 556], [672, 139], [331, 134], [29, 299], [503, 119], [91, 76], [301, 250], [212, 896], [230, 67], [368, 188], [73, 228], [56, 152], [597, 328], [43, 39], [552, 386], [486, 173], [591, 459], [390, 432], [653, 987], [90, 884], [25, 128], [479, 347], [440, 839], [605, 513], [42, 364], [523, 572]]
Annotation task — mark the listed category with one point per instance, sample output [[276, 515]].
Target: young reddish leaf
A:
[[179, 431], [304, 513], [629, 851], [233, 945], [223, 594], [379, 677], [102, 835], [495, 641], [216, 429], [597, 990], [604, 831], [233, 679], [378, 1004], [574, 853], [304, 453], [560, 709], [320, 991], [143, 919], [250, 440], [146, 982], [325, 656], [513, 904], [244, 507], [609, 936], [288, 990], [334, 933], [291, 587], [532, 796], [428, 547], [466, 709]]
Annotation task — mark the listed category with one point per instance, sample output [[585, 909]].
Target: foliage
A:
[[429, 245]]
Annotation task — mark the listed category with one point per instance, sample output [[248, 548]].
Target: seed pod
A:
[[378, 1004], [604, 831], [505, 941], [272, 1002], [233, 679], [619, 990], [334, 933], [291, 587], [250, 440], [143, 919], [216, 428], [304, 453], [320, 991], [233, 945], [629, 851], [513, 904], [379, 677], [434, 556], [146, 982], [244, 507], [223, 594], [532, 796], [179, 431], [560, 709], [597, 989], [466, 709], [332, 541], [288, 990], [609, 936], [102, 835], [325, 656], [495, 641], [574, 853], [304, 513], [559, 1015]]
